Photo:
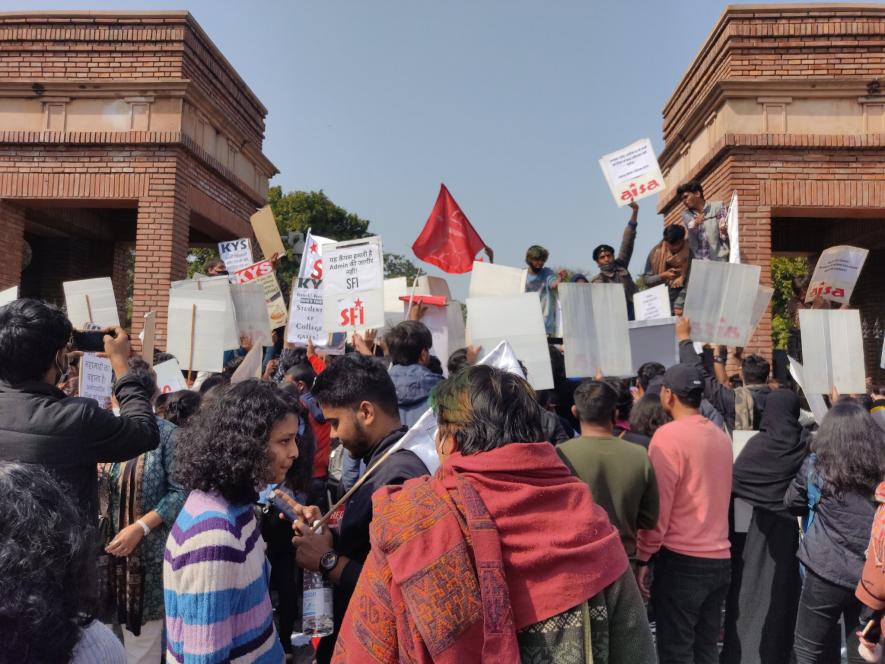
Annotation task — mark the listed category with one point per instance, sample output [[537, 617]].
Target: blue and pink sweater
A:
[[215, 578]]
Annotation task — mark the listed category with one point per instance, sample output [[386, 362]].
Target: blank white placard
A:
[[516, 319], [720, 300], [212, 313], [91, 295], [832, 351], [489, 280], [250, 307], [594, 330]]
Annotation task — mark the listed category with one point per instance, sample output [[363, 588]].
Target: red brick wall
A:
[[12, 221]]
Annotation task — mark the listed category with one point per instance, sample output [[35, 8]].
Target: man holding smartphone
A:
[[67, 435]]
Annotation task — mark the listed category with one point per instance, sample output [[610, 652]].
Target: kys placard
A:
[[353, 285]]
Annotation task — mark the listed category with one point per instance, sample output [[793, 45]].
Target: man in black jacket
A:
[[67, 435], [359, 400]]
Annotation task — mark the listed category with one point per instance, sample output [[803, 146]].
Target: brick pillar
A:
[[12, 239], [120, 278], [161, 247]]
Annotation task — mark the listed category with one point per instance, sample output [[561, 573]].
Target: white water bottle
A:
[[316, 606]]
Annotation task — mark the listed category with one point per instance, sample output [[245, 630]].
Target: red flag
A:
[[448, 240]]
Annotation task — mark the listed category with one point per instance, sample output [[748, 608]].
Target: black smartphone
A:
[[281, 504], [88, 342]]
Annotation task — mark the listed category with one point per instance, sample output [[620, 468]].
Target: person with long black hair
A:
[[765, 584], [848, 464]]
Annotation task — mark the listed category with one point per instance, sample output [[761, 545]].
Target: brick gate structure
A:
[[785, 104], [120, 131]]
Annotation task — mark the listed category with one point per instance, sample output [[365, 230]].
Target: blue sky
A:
[[510, 103]]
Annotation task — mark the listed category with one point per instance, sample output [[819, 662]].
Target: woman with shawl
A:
[[765, 587], [479, 563]]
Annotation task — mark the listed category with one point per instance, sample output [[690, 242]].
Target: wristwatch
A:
[[328, 561]]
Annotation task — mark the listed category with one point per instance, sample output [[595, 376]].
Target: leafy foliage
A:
[[396, 265], [783, 269]]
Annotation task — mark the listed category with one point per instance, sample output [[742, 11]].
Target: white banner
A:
[[652, 303], [594, 330], [353, 285], [91, 301], [236, 254], [632, 173], [720, 301], [96, 379], [832, 347], [836, 274]]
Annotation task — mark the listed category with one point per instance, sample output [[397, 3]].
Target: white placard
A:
[[446, 325], [763, 297], [739, 440], [731, 222], [236, 254], [437, 286], [652, 303], [516, 319], [263, 273], [489, 280], [815, 401], [832, 347], [169, 378], [91, 301], [8, 295], [220, 284], [632, 173], [353, 285], [653, 341], [393, 290], [148, 336], [250, 306], [594, 330], [720, 300], [250, 367], [96, 379], [836, 274], [213, 309]]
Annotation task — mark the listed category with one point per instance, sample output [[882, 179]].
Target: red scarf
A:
[[495, 542]]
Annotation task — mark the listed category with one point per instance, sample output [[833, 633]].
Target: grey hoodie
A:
[[413, 383]]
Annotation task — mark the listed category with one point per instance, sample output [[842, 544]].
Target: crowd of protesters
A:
[[606, 520]]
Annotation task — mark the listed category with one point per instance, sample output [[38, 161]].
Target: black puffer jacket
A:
[[70, 435], [835, 545]]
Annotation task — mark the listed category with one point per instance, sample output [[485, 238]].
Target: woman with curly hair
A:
[[215, 573], [46, 598], [835, 489]]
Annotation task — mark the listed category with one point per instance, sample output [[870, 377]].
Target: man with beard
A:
[[617, 270], [543, 281], [359, 401]]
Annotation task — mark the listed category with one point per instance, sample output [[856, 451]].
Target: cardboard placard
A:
[[652, 303], [8, 295], [353, 285], [815, 401], [832, 347], [836, 274], [490, 280], [632, 173], [594, 330], [91, 301], [250, 367], [266, 232], [250, 306], [148, 337], [195, 317], [731, 222], [236, 254], [263, 273], [96, 379], [219, 284], [516, 319], [720, 300], [653, 341], [169, 377]]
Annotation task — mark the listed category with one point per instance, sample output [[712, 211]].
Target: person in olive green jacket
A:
[[619, 473]]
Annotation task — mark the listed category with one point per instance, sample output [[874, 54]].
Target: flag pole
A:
[[412, 295]]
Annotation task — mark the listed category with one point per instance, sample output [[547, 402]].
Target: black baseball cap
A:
[[683, 379]]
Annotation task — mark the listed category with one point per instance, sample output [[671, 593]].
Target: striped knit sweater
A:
[[215, 578]]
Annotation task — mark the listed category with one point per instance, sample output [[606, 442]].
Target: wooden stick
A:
[[412, 296], [89, 308], [322, 521], [190, 353]]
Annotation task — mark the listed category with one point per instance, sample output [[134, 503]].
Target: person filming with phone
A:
[[66, 435]]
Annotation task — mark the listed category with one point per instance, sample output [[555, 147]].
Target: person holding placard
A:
[[408, 345], [68, 435], [706, 222], [543, 281], [669, 262], [616, 270]]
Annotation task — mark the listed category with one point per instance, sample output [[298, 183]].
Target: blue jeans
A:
[[687, 596]]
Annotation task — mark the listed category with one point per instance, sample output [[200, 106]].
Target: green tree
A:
[[783, 269], [397, 265]]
